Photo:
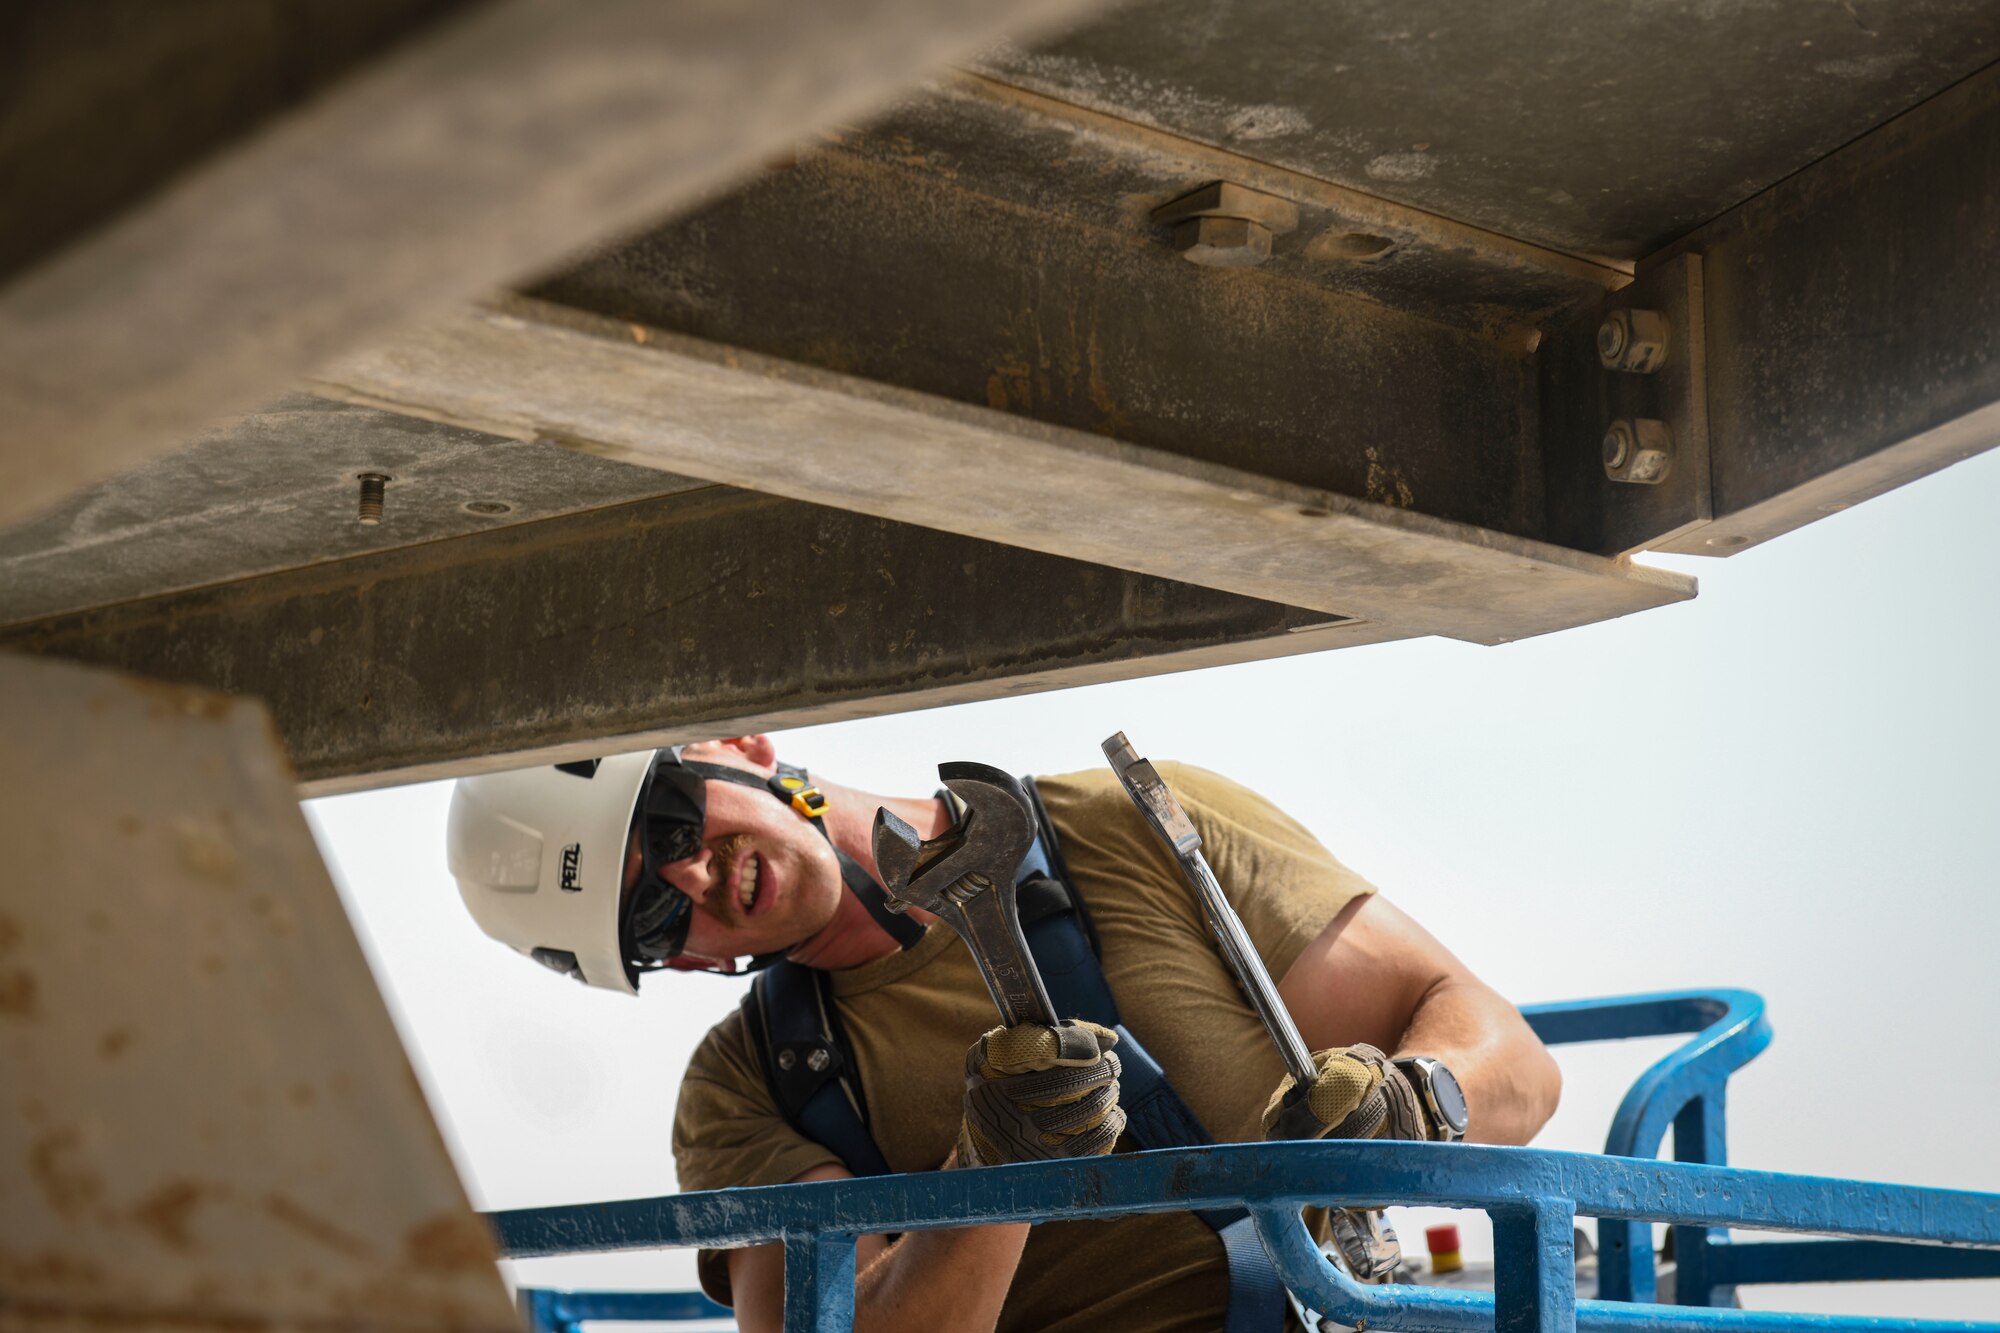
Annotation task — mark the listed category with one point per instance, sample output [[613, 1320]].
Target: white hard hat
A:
[[539, 856]]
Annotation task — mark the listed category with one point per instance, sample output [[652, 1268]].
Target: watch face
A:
[[1448, 1097]]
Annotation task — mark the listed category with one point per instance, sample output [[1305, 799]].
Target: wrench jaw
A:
[[965, 877], [898, 852]]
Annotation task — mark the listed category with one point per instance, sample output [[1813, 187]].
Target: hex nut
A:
[[1634, 341], [1223, 242], [1618, 445], [1640, 451]]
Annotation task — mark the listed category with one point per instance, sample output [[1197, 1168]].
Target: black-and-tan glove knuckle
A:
[[1034, 1092], [1359, 1094]]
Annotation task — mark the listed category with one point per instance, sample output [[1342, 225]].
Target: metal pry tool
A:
[[1149, 792], [965, 876]]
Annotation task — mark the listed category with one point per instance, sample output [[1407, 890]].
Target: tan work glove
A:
[[1358, 1095], [1034, 1092]]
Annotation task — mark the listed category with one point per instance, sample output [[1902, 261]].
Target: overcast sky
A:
[[1789, 784]]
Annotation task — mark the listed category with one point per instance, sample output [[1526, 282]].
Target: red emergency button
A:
[[1443, 1244]]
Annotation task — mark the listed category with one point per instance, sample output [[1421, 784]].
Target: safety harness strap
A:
[[1054, 922], [805, 1056], [791, 1008]]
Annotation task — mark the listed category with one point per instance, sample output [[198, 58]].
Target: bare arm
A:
[[1376, 976], [927, 1280]]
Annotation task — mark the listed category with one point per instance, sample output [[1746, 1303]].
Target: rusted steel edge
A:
[[1434, 228]]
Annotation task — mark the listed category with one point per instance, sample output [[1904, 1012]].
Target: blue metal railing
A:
[[1685, 1089], [1532, 1195]]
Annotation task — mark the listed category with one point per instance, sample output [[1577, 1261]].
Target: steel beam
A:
[[221, 1130], [487, 148], [275, 489], [702, 613], [692, 408], [1851, 344], [974, 278]]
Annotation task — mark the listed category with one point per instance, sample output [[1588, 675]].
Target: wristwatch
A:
[[1443, 1100]]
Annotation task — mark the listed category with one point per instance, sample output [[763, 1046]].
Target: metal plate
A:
[[1596, 128], [206, 1118], [1580, 399], [275, 489]]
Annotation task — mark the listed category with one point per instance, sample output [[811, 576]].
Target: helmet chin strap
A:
[[792, 786]]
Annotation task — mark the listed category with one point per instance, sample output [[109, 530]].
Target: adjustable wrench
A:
[[965, 876]]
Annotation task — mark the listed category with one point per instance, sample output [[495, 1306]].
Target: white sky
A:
[[1789, 784]]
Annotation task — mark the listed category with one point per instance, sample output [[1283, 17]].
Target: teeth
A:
[[746, 890]]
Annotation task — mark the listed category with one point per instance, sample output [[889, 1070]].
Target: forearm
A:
[[1375, 976], [1511, 1082], [929, 1280]]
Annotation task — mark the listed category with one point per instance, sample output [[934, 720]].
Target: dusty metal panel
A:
[[690, 615], [489, 147], [1853, 345], [206, 1118], [529, 368], [1585, 126], [1582, 397], [1074, 165], [276, 489], [909, 279], [107, 99]]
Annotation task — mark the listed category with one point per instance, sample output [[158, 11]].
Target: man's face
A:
[[765, 881]]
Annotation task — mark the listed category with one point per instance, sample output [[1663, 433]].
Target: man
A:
[[705, 856]]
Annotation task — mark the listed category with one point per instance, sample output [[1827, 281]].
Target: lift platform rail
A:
[[1887, 1232]]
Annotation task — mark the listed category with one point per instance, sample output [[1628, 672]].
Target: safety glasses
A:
[[672, 807]]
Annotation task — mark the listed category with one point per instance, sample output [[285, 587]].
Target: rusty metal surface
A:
[[699, 409], [1086, 167], [852, 265], [1589, 127], [1580, 399], [488, 147], [668, 619], [206, 72], [1853, 343], [206, 1118], [275, 489]]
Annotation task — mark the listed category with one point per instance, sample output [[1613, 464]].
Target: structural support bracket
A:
[[1596, 375], [532, 369]]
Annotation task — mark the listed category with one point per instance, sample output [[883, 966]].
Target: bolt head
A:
[[1633, 341], [1617, 447], [1223, 242], [786, 1059], [1611, 337], [817, 1059], [1638, 450]]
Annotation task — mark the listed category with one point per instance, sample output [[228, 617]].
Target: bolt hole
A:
[[1313, 511], [1354, 245], [487, 508], [1730, 541]]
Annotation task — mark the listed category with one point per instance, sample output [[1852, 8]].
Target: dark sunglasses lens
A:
[[661, 915], [671, 812], [670, 841]]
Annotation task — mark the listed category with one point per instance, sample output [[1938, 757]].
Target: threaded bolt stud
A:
[[374, 485]]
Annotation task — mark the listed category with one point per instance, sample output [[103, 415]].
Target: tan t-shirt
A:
[[909, 1018]]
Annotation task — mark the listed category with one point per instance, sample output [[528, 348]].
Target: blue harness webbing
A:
[[796, 1026]]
